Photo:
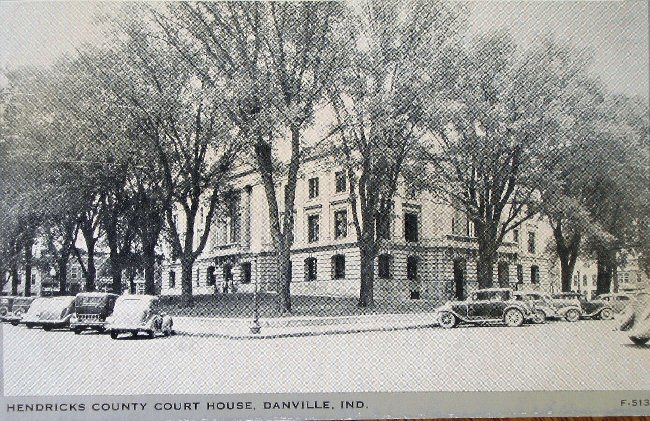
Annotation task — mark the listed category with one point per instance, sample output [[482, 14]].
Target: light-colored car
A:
[[138, 313], [593, 309], [635, 319], [617, 302], [50, 313]]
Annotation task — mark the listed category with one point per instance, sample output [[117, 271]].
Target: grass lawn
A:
[[241, 305]]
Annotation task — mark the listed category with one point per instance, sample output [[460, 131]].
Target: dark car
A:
[[91, 311], [5, 305], [486, 306], [551, 308], [50, 313], [618, 302], [19, 306], [595, 309]]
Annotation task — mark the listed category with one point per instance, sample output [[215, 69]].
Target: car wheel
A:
[[638, 341], [29, 325], [447, 320], [606, 314], [14, 323], [539, 316], [18, 313], [572, 315], [47, 328], [3, 311], [151, 334], [114, 335], [76, 331], [513, 317]]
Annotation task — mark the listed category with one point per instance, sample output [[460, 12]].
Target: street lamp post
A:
[[255, 327], [52, 276]]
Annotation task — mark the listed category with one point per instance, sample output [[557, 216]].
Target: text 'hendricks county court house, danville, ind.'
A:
[[428, 250]]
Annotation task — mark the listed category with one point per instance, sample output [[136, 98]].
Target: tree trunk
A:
[[116, 275], [186, 280], [606, 265], [61, 273], [149, 257], [28, 268], [366, 291], [485, 269], [91, 270], [284, 277], [14, 278]]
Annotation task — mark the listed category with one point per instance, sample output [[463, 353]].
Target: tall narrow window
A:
[[531, 242], [340, 224], [313, 188], [312, 228], [198, 277], [515, 236], [338, 263], [383, 263], [311, 269], [246, 273], [172, 279], [210, 278], [520, 273], [411, 227], [341, 181], [534, 274]]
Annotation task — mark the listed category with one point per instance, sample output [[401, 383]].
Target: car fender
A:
[[455, 313], [524, 311], [562, 311], [600, 310]]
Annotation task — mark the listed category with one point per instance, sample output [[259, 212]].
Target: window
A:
[[412, 268], [312, 228], [383, 228], [515, 236], [313, 188], [593, 280], [172, 279], [310, 269], [520, 273], [584, 280], [34, 279], [338, 263], [210, 278], [341, 181], [383, 263], [575, 280], [246, 273], [411, 227], [340, 224], [531, 242], [198, 277], [534, 274]]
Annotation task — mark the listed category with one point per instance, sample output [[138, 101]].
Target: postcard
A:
[[324, 210]]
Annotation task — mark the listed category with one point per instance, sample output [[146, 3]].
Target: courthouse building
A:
[[428, 250]]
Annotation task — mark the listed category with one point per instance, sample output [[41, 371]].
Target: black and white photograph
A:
[[323, 209]]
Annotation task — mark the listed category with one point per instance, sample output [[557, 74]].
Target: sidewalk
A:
[[300, 326]]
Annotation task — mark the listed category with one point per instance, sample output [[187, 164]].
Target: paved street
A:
[[586, 355]]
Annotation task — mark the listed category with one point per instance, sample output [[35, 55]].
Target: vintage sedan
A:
[[5, 305], [91, 311], [19, 307], [594, 309], [50, 313], [618, 302], [546, 307], [635, 319], [486, 306], [139, 313]]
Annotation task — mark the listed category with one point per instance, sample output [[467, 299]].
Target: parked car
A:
[[50, 312], [546, 307], [5, 305], [139, 313], [486, 306], [594, 309], [91, 311], [618, 302], [19, 306], [635, 319]]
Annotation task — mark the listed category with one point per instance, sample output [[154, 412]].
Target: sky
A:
[[37, 33]]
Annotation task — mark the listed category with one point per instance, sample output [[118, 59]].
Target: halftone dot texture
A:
[[586, 355]]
